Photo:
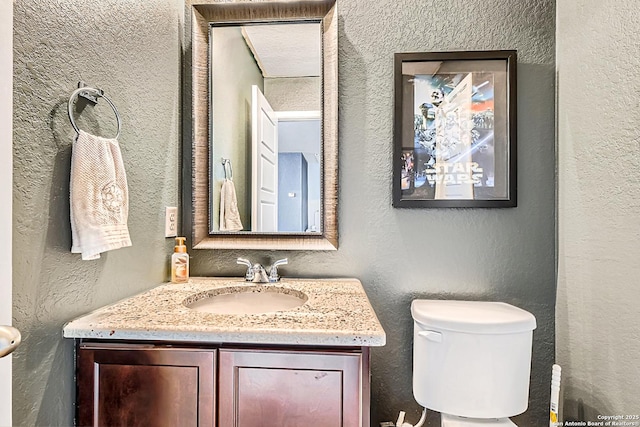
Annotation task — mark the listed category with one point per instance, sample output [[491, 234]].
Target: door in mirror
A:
[[264, 162]]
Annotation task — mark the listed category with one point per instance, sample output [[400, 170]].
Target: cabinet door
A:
[[267, 388], [128, 385]]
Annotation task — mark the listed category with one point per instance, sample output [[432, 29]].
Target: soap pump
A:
[[180, 262]]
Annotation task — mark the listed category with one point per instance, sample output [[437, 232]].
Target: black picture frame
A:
[[455, 129]]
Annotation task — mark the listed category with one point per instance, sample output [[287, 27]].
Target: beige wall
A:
[[597, 323]]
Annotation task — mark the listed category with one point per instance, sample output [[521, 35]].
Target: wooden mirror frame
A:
[[196, 159]]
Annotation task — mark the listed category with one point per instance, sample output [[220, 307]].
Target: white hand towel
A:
[[229, 215], [99, 197]]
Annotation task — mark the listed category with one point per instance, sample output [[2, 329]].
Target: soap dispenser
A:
[[180, 262]]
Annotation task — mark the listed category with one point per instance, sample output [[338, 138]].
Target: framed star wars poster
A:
[[455, 129]]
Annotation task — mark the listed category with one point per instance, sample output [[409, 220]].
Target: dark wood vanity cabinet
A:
[[141, 385], [269, 388], [155, 385]]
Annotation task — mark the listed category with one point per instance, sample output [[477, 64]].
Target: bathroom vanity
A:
[[153, 360]]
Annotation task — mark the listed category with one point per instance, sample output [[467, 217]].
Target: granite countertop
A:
[[337, 313]]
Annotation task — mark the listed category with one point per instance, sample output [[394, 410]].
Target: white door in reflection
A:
[[264, 141]]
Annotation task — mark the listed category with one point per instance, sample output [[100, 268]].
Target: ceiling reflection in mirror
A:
[[266, 132]]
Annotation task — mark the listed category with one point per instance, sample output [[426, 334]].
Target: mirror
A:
[[266, 132], [282, 162]]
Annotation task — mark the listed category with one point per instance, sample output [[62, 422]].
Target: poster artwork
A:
[[453, 153]]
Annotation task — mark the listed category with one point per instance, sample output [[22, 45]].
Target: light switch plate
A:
[[171, 221]]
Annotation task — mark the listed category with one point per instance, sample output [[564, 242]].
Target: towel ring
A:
[[98, 94]]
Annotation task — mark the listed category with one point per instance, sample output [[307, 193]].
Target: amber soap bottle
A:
[[180, 262]]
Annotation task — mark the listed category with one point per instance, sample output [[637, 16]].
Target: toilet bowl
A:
[[472, 360]]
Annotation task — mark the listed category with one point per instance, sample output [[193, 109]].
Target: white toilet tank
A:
[[472, 358]]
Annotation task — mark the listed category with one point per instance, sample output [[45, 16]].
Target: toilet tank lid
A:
[[479, 317]]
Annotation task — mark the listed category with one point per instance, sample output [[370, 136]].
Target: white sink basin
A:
[[258, 299]]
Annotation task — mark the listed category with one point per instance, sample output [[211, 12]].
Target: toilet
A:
[[472, 360]]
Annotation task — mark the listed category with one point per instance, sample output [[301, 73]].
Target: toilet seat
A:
[[455, 421]]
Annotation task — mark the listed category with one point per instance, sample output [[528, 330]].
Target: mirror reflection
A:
[[266, 142]]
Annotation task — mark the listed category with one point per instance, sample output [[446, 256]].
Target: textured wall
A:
[[131, 49], [293, 93], [598, 336], [402, 254]]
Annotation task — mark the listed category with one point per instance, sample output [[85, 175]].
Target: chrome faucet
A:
[[256, 272]]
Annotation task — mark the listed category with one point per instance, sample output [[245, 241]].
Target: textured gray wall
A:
[[402, 254], [598, 338], [131, 49]]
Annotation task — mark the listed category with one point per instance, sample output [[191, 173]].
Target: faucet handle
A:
[[249, 274], [273, 273]]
